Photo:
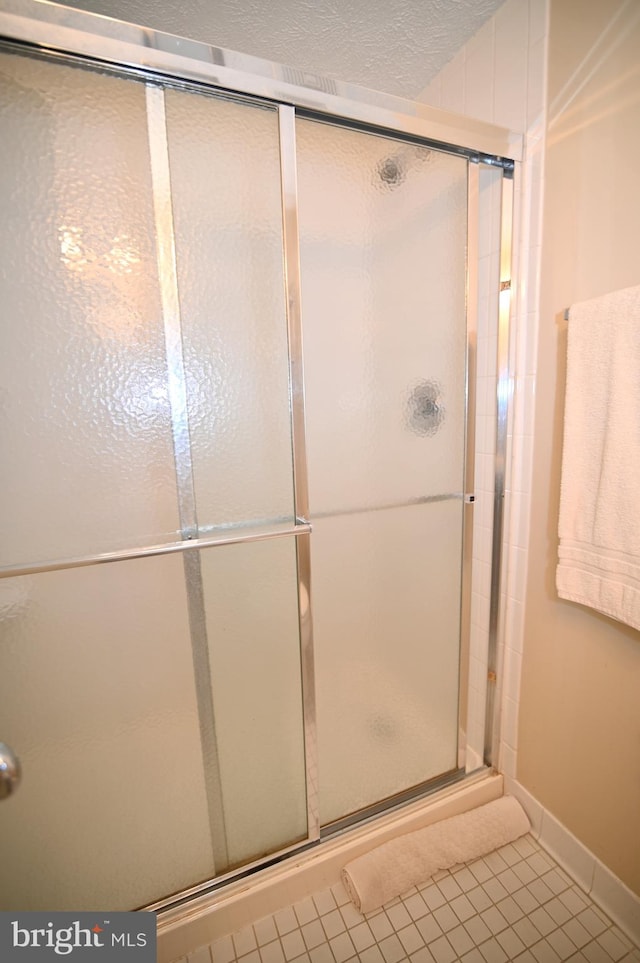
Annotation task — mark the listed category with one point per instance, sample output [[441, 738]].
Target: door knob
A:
[[10, 771]]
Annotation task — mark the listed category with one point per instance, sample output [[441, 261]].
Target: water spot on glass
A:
[[390, 173], [383, 728], [392, 170], [425, 412]]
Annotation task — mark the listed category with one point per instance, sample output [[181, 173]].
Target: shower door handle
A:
[[10, 771]]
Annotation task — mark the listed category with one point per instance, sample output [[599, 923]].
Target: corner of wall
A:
[[609, 892]]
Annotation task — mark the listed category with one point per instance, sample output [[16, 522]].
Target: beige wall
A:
[[579, 726]]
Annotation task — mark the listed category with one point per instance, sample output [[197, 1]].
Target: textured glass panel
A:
[[386, 605], [383, 246], [252, 624], [227, 212], [97, 699], [87, 460]]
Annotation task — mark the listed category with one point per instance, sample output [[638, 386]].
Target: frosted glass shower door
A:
[[383, 228], [155, 701]]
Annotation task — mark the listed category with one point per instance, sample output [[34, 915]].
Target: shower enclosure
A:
[[238, 425]]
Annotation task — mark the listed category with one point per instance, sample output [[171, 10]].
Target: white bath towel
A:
[[403, 862], [599, 524]]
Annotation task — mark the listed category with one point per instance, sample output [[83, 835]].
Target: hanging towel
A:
[[599, 525]]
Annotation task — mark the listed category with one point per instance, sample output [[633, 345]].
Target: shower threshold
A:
[[198, 920]]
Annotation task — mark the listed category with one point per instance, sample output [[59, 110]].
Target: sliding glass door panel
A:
[[156, 703], [383, 229]]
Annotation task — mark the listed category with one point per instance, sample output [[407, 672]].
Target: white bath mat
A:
[[409, 860]]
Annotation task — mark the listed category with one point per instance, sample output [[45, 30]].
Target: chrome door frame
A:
[[154, 56], [54, 27]]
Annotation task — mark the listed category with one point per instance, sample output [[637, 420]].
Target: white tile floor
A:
[[515, 904]]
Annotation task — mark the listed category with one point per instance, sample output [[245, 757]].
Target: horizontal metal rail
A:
[[51, 27], [231, 537], [410, 502]]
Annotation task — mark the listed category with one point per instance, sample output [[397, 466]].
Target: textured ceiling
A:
[[395, 46]]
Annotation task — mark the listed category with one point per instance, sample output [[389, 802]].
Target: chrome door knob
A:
[[10, 771]]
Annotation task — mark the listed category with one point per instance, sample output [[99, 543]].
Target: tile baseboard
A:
[[620, 903]]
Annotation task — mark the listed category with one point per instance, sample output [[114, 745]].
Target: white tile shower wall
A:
[[499, 77]]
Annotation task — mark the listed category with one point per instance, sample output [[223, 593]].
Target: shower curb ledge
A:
[[606, 889], [206, 919]]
